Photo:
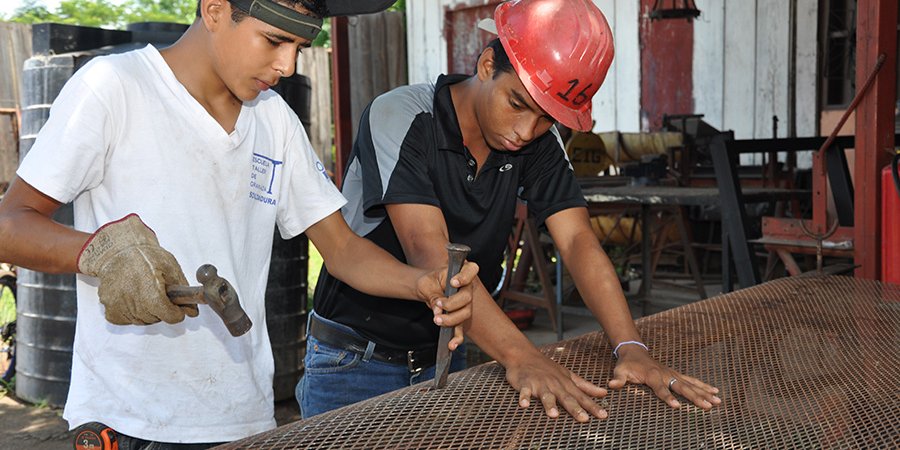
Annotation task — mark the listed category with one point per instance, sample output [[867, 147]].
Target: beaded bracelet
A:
[[616, 350]]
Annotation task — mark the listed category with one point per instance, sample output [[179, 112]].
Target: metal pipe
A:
[[856, 99]]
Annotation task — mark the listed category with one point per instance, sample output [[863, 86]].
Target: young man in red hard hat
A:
[[190, 142], [448, 162]]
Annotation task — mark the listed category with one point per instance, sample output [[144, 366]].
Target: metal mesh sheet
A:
[[800, 363]]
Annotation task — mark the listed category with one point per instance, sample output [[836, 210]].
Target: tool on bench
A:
[[457, 255], [216, 292]]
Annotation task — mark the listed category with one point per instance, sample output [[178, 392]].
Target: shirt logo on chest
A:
[[506, 167], [262, 178]]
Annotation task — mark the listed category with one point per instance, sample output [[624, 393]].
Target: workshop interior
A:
[[741, 174]]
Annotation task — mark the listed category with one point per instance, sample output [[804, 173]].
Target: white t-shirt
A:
[[125, 136]]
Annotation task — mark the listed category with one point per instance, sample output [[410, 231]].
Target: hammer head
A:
[[223, 299]]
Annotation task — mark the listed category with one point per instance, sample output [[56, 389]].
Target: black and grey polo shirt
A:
[[409, 149]]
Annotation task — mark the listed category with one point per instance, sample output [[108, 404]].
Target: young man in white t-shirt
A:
[[184, 154]]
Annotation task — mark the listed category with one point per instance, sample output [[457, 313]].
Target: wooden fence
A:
[[377, 58], [377, 64], [315, 63], [15, 48]]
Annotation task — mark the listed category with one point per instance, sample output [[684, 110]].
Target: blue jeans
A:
[[335, 377]]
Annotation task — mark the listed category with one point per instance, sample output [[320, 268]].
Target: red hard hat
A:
[[561, 50]]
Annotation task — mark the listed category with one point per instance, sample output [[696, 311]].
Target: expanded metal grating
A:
[[800, 363]]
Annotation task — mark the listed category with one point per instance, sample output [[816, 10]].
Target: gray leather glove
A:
[[133, 271]]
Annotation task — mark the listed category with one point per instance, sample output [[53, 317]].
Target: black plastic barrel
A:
[[286, 292], [46, 303], [296, 90], [286, 297]]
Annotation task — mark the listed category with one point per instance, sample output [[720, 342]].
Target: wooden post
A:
[[340, 70], [876, 33]]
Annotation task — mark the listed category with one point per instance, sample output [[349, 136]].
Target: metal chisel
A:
[[457, 254]]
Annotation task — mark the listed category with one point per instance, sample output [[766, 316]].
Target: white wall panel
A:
[[604, 102], [807, 77], [709, 61], [772, 54], [426, 46], [627, 66], [740, 67]]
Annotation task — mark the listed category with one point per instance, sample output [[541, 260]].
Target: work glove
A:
[[134, 272]]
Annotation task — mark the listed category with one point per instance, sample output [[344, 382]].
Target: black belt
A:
[[415, 360]]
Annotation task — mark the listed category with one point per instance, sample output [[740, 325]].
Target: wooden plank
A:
[[772, 50], [315, 63], [628, 66], [377, 58], [15, 48], [604, 101], [740, 67], [422, 18], [807, 81], [667, 56], [876, 33], [807, 61], [709, 60], [465, 41], [9, 147]]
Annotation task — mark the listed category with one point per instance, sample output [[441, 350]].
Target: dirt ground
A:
[[24, 426]]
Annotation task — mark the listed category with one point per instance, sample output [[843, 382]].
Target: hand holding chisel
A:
[[457, 255]]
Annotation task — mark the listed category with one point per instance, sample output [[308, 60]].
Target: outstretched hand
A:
[[456, 310], [541, 378], [636, 366]]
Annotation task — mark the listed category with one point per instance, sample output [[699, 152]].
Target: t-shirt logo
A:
[[262, 178]]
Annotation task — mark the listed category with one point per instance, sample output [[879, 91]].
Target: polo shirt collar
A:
[[447, 133]]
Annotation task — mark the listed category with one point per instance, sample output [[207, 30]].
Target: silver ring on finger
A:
[[671, 382]]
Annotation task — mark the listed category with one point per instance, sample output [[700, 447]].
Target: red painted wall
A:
[[667, 52]]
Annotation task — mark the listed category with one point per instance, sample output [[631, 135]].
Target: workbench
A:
[[673, 199], [801, 362]]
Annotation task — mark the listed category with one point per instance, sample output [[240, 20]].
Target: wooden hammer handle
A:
[[186, 295]]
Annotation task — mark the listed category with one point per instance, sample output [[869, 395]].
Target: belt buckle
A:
[[411, 362]]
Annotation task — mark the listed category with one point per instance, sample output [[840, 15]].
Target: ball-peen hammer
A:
[[216, 292]]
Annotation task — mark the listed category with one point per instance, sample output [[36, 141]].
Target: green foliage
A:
[[7, 388], [105, 13], [32, 11], [399, 6], [7, 306], [324, 37], [91, 13], [177, 11], [315, 266]]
